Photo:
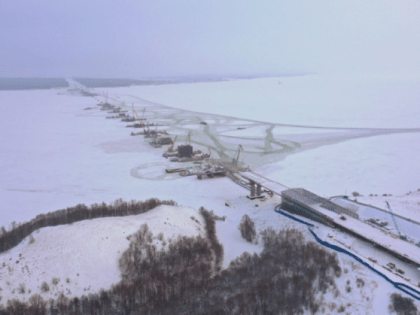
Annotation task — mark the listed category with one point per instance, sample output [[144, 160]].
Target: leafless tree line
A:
[[119, 208]]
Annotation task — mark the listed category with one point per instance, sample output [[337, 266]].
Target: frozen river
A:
[[55, 154]]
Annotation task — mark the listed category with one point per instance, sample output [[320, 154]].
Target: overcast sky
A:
[[143, 38]]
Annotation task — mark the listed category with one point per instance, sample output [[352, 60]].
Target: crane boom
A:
[[188, 140], [236, 157], [171, 148], [211, 157]]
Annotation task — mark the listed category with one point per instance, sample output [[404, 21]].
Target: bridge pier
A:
[[252, 183], [258, 190]]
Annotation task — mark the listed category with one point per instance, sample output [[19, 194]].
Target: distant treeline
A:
[[31, 83], [98, 82], [114, 82], [288, 277], [120, 208]]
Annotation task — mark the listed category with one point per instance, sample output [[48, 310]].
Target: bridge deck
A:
[[265, 182]]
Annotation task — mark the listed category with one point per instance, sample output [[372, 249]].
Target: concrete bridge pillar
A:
[[252, 183], [258, 190]]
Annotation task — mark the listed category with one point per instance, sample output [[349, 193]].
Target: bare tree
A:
[[247, 228]]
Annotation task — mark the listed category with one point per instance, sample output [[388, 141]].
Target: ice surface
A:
[[313, 100], [55, 154]]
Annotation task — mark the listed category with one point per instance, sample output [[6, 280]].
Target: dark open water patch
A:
[[31, 83]]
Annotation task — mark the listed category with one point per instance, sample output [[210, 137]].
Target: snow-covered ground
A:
[[56, 253], [84, 255]]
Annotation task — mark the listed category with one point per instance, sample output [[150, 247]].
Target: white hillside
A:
[[84, 255]]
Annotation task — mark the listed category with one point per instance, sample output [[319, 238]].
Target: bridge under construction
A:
[[305, 203]]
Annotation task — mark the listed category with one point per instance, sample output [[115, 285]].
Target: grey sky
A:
[[137, 39]]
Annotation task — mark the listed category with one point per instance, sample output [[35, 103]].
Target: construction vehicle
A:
[[402, 236]]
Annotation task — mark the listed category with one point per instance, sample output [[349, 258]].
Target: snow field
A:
[[84, 255]]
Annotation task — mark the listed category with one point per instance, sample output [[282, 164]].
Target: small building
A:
[[303, 202]]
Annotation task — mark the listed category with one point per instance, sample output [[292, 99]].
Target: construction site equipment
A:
[[185, 151], [171, 148], [211, 157], [402, 236], [189, 172], [188, 139], [140, 124], [391, 265], [212, 172], [169, 154], [165, 141], [128, 118], [236, 157], [190, 159], [175, 170], [137, 133]]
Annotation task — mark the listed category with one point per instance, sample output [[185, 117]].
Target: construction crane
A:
[[188, 140], [211, 157], [402, 236], [171, 148], [136, 117], [236, 157]]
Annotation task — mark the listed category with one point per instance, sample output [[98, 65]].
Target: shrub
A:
[[247, 228], [355, 194], [341, 309], [402, 305], [22, 288], [45, 287], [55, 281]]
